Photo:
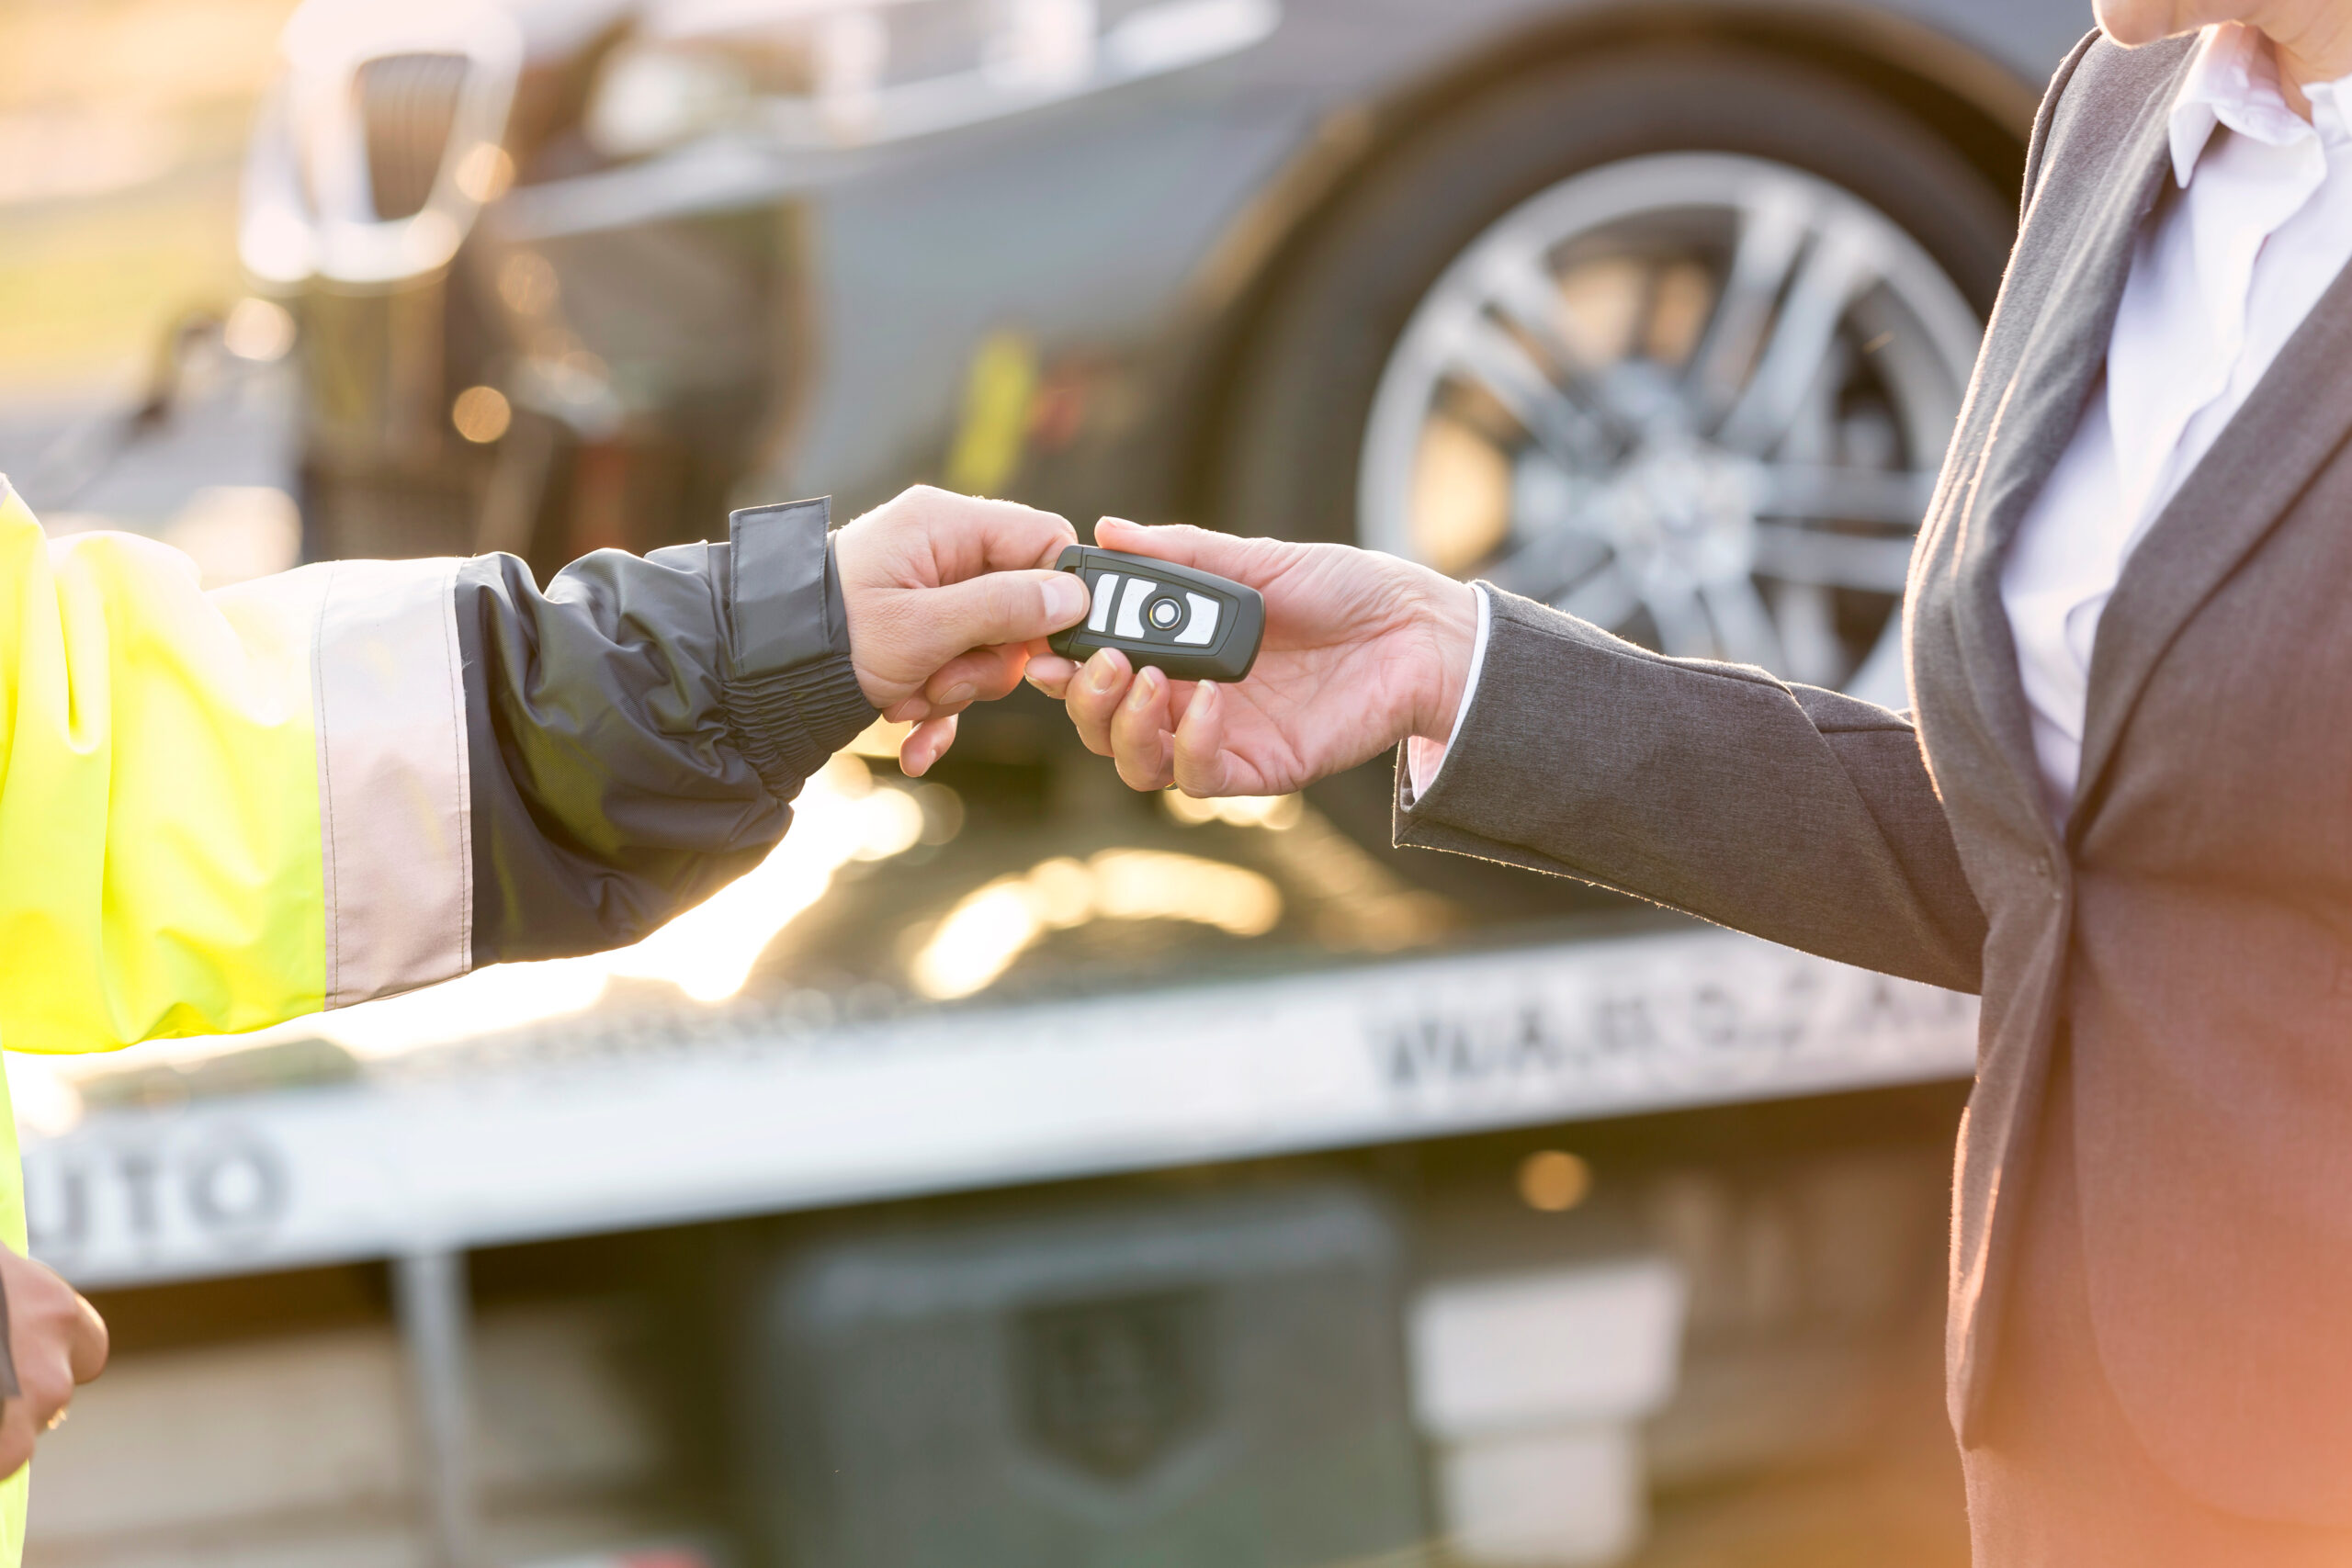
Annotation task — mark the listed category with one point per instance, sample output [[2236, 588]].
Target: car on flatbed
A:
[[1014, 1169]]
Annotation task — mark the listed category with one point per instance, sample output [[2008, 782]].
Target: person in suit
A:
[[2120, 806]]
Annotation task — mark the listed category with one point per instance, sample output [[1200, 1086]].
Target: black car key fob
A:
[[1189, 625]]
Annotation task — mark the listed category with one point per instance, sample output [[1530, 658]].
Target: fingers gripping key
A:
[[1190, 624]]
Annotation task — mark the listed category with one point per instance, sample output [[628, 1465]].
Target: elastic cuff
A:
[[789, 723]]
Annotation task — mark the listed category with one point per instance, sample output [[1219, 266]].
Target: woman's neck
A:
[[2294, 74], [2314, 44]]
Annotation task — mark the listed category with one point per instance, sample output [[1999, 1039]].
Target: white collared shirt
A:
[[2220, 280]]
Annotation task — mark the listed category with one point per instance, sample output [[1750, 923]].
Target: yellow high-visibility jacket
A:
[[220, 810]]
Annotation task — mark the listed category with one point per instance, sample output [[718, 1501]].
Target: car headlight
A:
[[811, 74], [379, 142]]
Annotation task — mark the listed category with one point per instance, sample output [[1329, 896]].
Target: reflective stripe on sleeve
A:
[[395, 807]]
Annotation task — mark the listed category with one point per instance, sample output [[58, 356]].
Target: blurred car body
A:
[[1658, 311], [993, 1223]]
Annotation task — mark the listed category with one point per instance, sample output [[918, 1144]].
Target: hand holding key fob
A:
[[1189, 625]]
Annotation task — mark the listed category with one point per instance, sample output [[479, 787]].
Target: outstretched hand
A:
[[948, 597], [1361, 650]]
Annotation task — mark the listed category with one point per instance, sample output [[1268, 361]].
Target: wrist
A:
[[851, 578], [838, 620], [1449, 635]]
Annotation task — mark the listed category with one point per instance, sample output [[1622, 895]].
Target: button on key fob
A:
[[1189, 625]]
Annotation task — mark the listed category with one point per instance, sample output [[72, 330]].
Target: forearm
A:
[[638, 731], [222, 810], [1796, 814], [509, 773]]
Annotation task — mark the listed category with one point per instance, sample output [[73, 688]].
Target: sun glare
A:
[[707, 952], [991, 927]]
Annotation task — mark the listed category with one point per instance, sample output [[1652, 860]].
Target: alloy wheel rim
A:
[[1697, 398]]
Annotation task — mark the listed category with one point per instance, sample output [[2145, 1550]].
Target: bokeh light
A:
[[482, 414], [989, 929], [1552, 1181], [1279, 813]]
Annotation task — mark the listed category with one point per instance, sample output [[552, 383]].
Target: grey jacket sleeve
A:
[[637, 731], [1791, 812]]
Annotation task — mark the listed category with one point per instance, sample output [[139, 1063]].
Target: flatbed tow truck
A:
[[1207, 1172]]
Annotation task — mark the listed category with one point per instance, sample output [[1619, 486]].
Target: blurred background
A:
[[1014, 1170]]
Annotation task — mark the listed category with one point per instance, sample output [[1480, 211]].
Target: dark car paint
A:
[[1091, 226], [1122, 235]]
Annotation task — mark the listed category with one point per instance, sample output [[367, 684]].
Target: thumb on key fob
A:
[[1191, 626]]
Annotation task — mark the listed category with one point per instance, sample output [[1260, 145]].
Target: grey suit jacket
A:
[[2191, 932]]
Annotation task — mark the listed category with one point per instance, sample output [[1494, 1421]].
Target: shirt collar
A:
[[2233, 81]]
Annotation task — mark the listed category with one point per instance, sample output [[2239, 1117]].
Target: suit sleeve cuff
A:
[[792, 694], [1424, 760]]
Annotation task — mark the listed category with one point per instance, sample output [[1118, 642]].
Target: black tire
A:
[[1293, 425]]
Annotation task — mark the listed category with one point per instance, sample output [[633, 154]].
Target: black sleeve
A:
[[637, 731], [1789, 812]]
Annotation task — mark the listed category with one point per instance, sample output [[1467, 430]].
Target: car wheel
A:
[[1673, 341]]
